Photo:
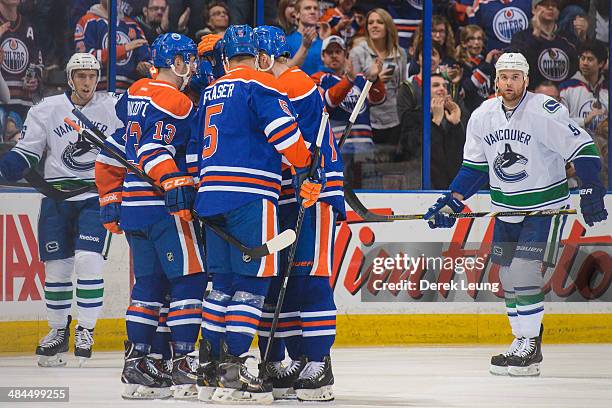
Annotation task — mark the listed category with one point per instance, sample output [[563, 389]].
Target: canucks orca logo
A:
[[506, 165], [72, 156]]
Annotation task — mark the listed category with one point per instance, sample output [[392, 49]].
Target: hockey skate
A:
[[83, 342], [207, 372], [499, 363], [236, 385], [184, 375], [526, 361], [315, 382], [142, 377], [53, 345], [283, 376]]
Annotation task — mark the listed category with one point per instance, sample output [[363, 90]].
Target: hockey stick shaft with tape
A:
[[277, 243], [356, 110], [292, 250]]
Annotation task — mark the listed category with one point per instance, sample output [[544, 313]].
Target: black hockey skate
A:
[[142, 378], [83, 342], [283, 376], [184, 375], [207, 372], [316, 381], [53, 345], [499, 363], [526, 361], [237, 385]]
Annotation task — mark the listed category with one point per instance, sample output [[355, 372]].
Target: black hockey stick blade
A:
[[45, 188], [275, 244]]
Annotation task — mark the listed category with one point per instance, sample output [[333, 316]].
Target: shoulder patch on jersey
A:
[[551, 105]]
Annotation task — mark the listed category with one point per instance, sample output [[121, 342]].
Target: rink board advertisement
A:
[[385, 289]]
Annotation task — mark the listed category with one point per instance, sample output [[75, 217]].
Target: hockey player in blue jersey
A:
[[165, 242], [247, 127], [308, 320], [520, 142]]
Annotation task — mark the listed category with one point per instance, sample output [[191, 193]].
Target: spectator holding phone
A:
[[382, 43], [305, 43]]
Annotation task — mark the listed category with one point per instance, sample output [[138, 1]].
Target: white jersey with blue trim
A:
[[70, 160], [525, 153]]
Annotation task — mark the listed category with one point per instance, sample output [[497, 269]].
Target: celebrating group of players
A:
[[186, 184]]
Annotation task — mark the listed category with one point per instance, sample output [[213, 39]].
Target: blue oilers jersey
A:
[[308, 103], [245, 124], [157, 120], [501, 19]]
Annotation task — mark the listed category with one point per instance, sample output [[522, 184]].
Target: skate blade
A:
[[284, 393], [205, 393], [529, 371], [498, 370], [82, 361], [184, 391], [325, 393], [57, 360], [233, 396], [137, 391]]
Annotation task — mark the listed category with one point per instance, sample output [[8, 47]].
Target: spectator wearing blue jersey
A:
[[305, 42]]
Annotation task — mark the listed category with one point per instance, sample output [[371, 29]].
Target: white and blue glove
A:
[[438, 219]]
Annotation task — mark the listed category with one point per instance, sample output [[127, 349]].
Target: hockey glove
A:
[[438, 218], [307, 189], [592, 203], [180, 194], [110, 211]]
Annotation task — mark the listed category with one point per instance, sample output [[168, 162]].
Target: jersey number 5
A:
[[211, 133]]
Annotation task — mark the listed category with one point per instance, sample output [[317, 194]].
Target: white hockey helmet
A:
[[81, 60], [514, 61]]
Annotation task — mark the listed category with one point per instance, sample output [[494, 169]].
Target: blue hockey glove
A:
[[438, 219], [592, 203], [180, 194], [110, 211], [307, 188]]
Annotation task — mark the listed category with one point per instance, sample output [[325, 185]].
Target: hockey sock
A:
[[185, 314], [58, 291], [318, 316], [244, 312], [528, 280], [510, 298], [90, 287], [142, 315], [213, 311], [161, 338]]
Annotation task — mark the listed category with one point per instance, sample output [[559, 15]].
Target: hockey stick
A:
[[279, 242], [293, 249], [356, 109], [45, 188]]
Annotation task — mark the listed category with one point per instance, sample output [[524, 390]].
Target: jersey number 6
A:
[[211, 133]]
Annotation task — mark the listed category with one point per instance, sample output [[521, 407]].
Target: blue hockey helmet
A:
[[239, 40], [272, 41], [169, 45], [203, 76]]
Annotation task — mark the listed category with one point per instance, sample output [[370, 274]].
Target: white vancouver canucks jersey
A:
[[525, 155], [70, 162]]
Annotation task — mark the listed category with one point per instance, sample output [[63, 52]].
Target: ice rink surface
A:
[[577, 376]]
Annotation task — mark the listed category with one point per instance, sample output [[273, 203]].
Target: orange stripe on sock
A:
[[213, 318], [319, 323], [183, 312], [241, 319], [143, 310]]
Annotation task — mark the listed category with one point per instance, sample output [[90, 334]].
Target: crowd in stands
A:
[[341, 44]]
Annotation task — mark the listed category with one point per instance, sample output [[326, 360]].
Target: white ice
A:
[[576, 376]]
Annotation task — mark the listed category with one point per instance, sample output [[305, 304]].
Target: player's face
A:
[[589, 65], [334, 57], [511, 84], [309, 12], [376, 27], [84, 81]]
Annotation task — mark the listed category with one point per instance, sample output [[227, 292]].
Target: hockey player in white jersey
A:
[[520, 142], [70, 234]]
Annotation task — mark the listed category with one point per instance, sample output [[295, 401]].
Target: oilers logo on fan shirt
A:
[[554, 64], [507, 22]]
